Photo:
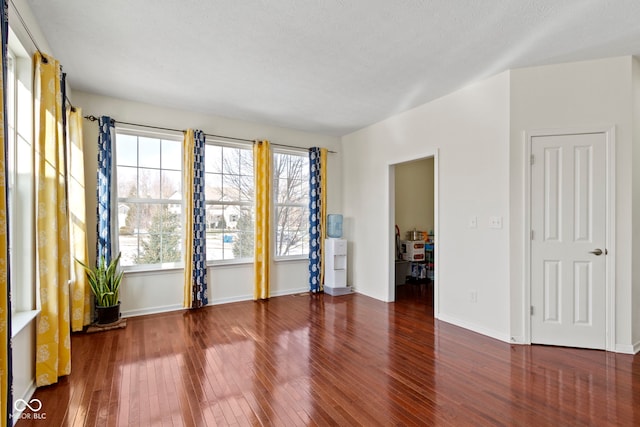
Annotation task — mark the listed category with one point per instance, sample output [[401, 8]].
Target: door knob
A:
[[596, 252]]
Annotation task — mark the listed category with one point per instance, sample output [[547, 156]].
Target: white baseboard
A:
[[518, 339], [216, 301], [627, 348], [152, 310], [28, 394], [475, 328], [290, 292]]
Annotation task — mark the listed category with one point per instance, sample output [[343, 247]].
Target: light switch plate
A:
[[473, 222]]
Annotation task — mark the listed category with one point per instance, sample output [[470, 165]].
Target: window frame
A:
[[20, 187], [11, 147], [274, 204], [219, 142], [141, 132]]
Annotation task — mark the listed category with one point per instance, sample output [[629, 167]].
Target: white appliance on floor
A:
[[335, 267]]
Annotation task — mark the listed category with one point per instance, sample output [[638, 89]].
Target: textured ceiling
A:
[[329, 66]]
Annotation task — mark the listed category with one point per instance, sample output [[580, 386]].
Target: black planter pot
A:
[[106, 315]]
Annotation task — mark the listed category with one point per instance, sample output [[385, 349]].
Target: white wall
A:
[[470, 128], [147, 292], [573, 95], [635, 260]]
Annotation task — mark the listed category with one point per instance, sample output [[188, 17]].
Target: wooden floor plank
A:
[[322, 360]]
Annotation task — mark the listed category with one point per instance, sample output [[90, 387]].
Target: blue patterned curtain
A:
[[317, 216], [106, 196], [195, 221]]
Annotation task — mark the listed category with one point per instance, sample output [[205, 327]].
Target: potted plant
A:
[[105, 284]]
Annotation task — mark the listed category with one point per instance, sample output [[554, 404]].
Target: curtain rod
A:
[[93, 118], [35, 44]]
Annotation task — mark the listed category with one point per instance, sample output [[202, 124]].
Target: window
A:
[[291, 198], [20, 177], [11, 164], [229, 198], [149, 170], [149, 176]]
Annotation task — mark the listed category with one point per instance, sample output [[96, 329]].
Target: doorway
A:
[[570, 238], [414, 224]]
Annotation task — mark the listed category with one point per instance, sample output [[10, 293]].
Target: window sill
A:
[[150, 269], [293, 258], [20, 319]]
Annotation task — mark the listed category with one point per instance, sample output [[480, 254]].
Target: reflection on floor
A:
[[420, 293]]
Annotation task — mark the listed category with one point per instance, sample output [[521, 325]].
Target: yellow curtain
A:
[[5, 310], [187, 174], [53, 340], [262, 244], [80, 292]]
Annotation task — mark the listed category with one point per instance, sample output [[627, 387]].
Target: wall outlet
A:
[[473, 296], [473, 222], [495, 222]]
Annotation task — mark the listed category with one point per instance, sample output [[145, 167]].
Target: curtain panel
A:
[[6, 398], [107, 191], [195, 256], [262, 245], [80, 292], [317, 216], [53, 340]]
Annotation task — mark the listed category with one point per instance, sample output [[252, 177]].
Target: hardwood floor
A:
[[322, 360]]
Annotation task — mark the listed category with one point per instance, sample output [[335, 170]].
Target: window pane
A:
[[214, 245], [229, 225], [127, 150], [127, 181], [149, 183], [171, 185], [246, 162], [298, 192], [215, 218], [128, 221], [230, 187], [149, 149], [171, 155], [245, 219], [292, 234], [246, 188], [231, 160], [281, 190], [162, 241], [213, 186], [243, 248], [213, 158], [291, 189]]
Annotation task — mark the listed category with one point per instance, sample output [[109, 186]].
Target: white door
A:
[[568, 223]]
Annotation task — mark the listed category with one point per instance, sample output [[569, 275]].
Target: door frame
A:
[[391, 204], [610, 260]]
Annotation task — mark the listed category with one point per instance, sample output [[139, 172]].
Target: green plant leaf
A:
[[104, 280]]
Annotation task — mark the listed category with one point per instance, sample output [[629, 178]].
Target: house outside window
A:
[[149, 180]]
